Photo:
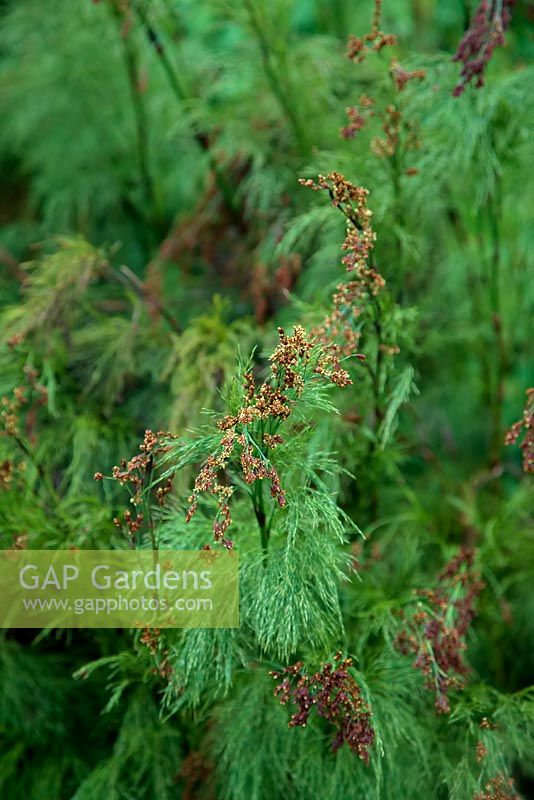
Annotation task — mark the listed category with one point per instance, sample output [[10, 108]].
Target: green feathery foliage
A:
[[182, 180]]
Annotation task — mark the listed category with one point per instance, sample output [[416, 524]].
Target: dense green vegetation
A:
[[158, 225]]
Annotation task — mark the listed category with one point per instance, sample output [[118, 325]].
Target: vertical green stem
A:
[[378, 411], [141, 126], [501, 358], [181, 93], [282, 95], [261, 518], [396, 166], [45, 478]]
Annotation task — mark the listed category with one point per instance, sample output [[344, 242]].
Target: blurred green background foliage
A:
[[153, 235]]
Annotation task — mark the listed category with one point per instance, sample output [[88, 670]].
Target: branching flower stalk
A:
[[335, 695], [436, 634], [398, 139], [252, 433], [498, 788], [486, 32], [372, 42], [524, 427], [399, 133], [359, 297], [28, 396], [299, 360], [139, 475]]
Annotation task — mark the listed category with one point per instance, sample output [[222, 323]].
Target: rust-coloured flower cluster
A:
[[138, 475], [336, 697], [393, 123], [29, 396], [372, 42], [152, 640], [499, 788], [525, 426], [481, 749], [197, 774], [402, 77], [134, 471], [351, 200], [485, 33], [337, 333], [358, 116], [248, 434], [6, 474], [436, 636]]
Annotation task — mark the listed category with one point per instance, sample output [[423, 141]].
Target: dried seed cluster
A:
[[6, 474], [138, 469], [151, 639], [20, 541], [207, 481], [402, 77], [481, 752], [138, 474], [335, 695], [393, 122], [133, 523], [358, 117], [485, 33], [437, 637], [197, 774], [337, 333], [388, 145], [372, 42], [252, 429], [525, 426], [499, 788], [29, 392], [351, 200]]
